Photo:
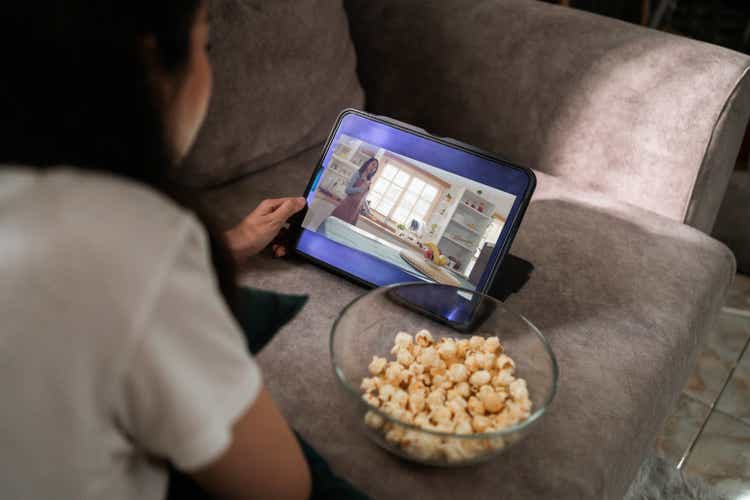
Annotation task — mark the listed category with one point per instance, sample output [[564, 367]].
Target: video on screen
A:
[[436, 225]]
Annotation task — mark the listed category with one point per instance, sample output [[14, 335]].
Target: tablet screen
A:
[[389, 205]]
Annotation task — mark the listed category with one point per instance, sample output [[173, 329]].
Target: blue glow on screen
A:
[[493, 173]]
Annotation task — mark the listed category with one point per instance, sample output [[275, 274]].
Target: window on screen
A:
[[402, 195]]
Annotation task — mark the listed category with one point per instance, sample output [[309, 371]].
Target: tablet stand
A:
[[513, 274]]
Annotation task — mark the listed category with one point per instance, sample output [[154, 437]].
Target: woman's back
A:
[[96, 351]]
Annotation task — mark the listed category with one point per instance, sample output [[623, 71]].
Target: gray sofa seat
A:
[[622, 293], [635, 132]]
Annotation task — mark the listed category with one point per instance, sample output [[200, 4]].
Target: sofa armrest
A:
[[649, 118]]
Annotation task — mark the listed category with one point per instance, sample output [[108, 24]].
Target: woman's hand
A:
[[259, 228]]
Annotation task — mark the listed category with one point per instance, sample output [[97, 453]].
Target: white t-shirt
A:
[[117, 352]]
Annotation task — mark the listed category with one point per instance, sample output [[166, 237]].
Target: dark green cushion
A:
[[261, 314]]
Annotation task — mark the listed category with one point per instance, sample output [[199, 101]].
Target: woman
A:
[[119, 355], [356, 192]]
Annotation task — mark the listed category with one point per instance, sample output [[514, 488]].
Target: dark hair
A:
[[367, 164], [76, 90]]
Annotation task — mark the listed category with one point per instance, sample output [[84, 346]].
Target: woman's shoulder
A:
[[91, 201], [110, 220]]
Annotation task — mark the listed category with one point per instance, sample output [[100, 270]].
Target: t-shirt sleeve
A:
[[190, 375]]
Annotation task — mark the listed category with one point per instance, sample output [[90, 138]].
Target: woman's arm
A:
[[263, 461]]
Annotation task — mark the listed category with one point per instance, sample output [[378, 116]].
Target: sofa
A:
[[632, 134], [732, 224]]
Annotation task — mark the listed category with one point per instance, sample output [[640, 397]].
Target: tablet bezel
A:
[[504, 244]]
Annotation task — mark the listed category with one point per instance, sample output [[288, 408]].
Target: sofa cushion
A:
[[283, 70], [624, 296], [231, 203]]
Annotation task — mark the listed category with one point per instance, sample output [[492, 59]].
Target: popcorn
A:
[[488, 361], [492, 345], [460, 415], [423, 338], [373, 420], [422, 420], [518, 389], [475, 406], [394, 433], [400, 397], [416, 385], [454, 452], [438, 380], [416, 368], [458, 373], [463, 389], [456, 406], [403, 339], [416, 402], [394, 374], [447, 349], [452, 394], [436, 398], [472, 362], [493, 402], [429, 357], [464, 427], [447, 426], [462, 348], [369, 384], [441, 414], [422, 446], [439, 367], [395, 411], [504, 362], [484, 391], [480, 423], [371, 399], [503, 378], [476, 343], [482, 377], [404, 357], [386, 392], [454, 386], [376, 365]]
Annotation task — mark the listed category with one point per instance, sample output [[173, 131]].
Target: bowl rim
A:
[[356, 393]]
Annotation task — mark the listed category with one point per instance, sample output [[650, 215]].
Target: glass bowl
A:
[[367, 327]]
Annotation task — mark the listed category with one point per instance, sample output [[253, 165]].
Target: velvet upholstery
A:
[[230, 203], [624, 295], [646, 117], [283, 70], [632, 132], [733, 223]]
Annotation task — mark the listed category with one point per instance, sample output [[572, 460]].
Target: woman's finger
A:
[[268, 206], [286, 209]]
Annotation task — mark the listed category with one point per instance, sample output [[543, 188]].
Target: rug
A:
[[659, 480]]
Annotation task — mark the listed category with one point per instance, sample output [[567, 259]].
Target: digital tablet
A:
[[390, 203]]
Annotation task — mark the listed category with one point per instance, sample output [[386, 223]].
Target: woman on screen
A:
[[356, 192]]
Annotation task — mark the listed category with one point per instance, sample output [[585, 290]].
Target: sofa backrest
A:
[[283, 70], [649, 118]]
